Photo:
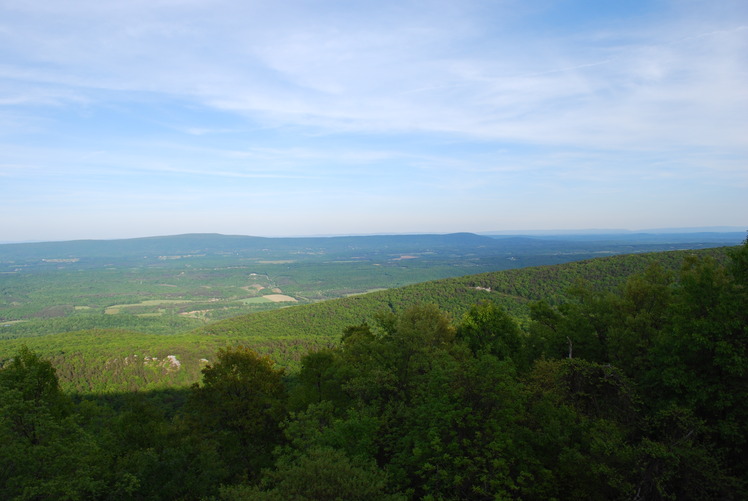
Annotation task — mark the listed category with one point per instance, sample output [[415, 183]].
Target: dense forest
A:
[[634, 389]]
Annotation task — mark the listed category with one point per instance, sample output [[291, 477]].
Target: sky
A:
[[157, 117]]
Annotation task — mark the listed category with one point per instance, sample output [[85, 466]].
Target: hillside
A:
[[174, 284], [512, 289], [108, 360], [632, 390]]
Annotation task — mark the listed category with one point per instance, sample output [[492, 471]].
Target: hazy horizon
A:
[[591, 232], [347, 118]]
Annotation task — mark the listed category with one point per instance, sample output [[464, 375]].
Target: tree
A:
[[241, 404], [45, 454], [35, 378], [641, 313], [319, 474], [319, 380], [487, 328], [573, 330], [581, 423], [701, 360]]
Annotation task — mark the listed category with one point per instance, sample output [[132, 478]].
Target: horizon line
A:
[[542, 232]]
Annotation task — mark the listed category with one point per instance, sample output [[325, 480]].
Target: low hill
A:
[[208, 243], [113, 360]]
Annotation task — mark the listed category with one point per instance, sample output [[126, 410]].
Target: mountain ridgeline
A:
[[150, 248]]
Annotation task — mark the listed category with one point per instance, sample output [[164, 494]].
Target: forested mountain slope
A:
[[619, 390], [511, 289], [111, 360]]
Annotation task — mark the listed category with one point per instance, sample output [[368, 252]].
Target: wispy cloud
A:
[[459, 97], [350, 71]]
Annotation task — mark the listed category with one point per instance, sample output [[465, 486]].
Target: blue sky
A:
[[155, 117]]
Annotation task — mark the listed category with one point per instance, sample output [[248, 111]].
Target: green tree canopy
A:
[[240, 404]]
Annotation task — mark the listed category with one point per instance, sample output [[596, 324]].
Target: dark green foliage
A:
[[239, 405], [677, 461], [152, 457], [703, 355], [581, 416], [641, 313], [319, 380], [317, 474], [45, 454], [685, 342], [35, 379]]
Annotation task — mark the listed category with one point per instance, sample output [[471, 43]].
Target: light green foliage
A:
[[487, 328], [174, 284], [422, 327]]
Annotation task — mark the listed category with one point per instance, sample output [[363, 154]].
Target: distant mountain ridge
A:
[[727, 238], [213, 243], [620, 231], [217, 243]]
